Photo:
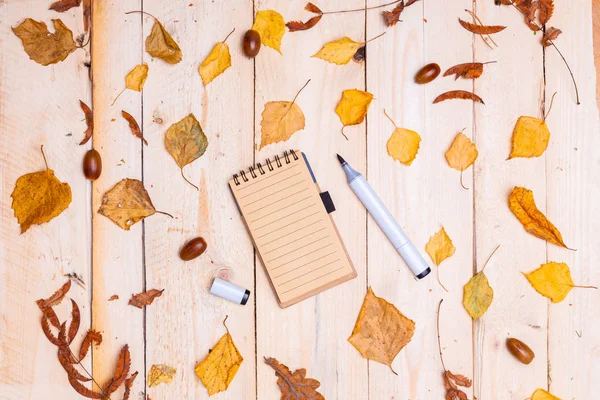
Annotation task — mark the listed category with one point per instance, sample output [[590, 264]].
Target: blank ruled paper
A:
[[291, 229]]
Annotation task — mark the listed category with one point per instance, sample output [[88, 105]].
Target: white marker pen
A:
[[386, 221]]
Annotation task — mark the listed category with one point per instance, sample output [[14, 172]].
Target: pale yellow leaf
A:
[[280, 120], [530, 138], [160, 373], [403, 145], [136, 78], [216, 63], [339, 51], [440, 247], [219, 367], [270, 26], [462, 153], [552, 280]]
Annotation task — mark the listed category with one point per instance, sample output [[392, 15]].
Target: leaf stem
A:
[[226, 328], [229, 34], [90, 375], [343, 134], [439, 281], [585, 287], [143, 12], [376, 37], [438, 335], [550, 108], [301, 89], [186, 179], [461, 181], [390, 118], [44, 155], [362, 9], [488, 259], [163, 213], [119, 95]]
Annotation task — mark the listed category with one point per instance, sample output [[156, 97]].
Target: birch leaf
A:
[[440, 247], [160, 373], [161, 45], [136, 78], [42, 46], [403, 145], [339, 51], [522, 205], [38, 197], [381, 330], [541, 394], [280, 120], [553, 280], [219, 367], [271, 27], [352, 107], [477, 295], [530, 138], [216, 63], [461, 154], [294, 386]]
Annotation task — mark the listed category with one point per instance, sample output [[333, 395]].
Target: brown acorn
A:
[[251, 43], [427, 73], [193, 248], [520, 350], [92, 165]]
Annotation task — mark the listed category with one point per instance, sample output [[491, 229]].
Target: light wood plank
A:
[[224, 110], [423, 196], [313, 333], [517, 311], [573, 188], [35, 109], [117, 254]]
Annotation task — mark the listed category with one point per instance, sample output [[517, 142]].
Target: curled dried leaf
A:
[[551, 34], [391, 18], [48, 332], [160, 44], [310, 7], [133, 125], [121, 370], [128, 384], [75, 322], [63, 358], [295, 26], [57, 297], [458, 94], [91, 336], [82, 390], [466, 71], [89, 121], [481, 29], [294, 386], [64, 5], [145, 298], [546, 8]]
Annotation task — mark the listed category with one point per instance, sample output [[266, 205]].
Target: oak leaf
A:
[[128, 384], [294, 26], [553, 280], [403, 145], [546, 9], [551, 34], [381, 330], [160, 373], [216, 63], [440, 247], [64, 5], [530, 138], [42, 46], [294, 386], [38, 197], [339, 51], [89, 121], [221, 364], [161, 45], [185, 141], [133, 125], [461, 154], [522, 205], [466, 70], [127, 203], [121, 371], [481, 29], [352, 107], [458, 94], [91, 336], [541, 394], [145, 298], [270, 26]]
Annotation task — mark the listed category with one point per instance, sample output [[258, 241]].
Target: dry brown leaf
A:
[[42, 46], [64, 5], [185, 141], [294, 26], [87, 14], [522, 205], [57, 297], [381, 330], [294, 386], [481, 29], [551, 34], [145, 298], [49, 314], [161, 45], [75, 322], [38, 197], [48, 332], [546, 8], [91, 336], [133, 125], [63, 359], [458, 94], [121, 371], [82, 390], [127, 203], [113, 297], [466, 71], [391, 18], [530, 138], [160, 373], [128, 384], [310, 7], [89, 121]]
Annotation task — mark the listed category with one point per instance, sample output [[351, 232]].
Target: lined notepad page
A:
[[293, 233]]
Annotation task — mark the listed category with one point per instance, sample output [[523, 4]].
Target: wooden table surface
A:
[[40, 105]]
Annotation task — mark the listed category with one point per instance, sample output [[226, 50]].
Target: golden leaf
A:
[[127, 203], [403, 145], [541, 394], [339, 51], [440, 247], [461, 154], [294, 386], [38, 197], [381, 330], [522, 205], [217, 61], [280, 120], [530, 138], [160, 373], [186, 142], [270, 26], [136, 78], [477, 295], [219, 367], [42, 46], [160, 44], [353, 107], [552, 280]]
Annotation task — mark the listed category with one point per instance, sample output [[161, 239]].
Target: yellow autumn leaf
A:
[[38, 197], [270, 26], [219, 367], [381, 330], [541, 394], [339, 51], [530, 138], [440, 247], [522, 205], [353, 107], [160, 373], [136, 78], [477, 293], [161, 45], [403, 145], [217, 61], [552, 280], [461, 154], [42, 46]]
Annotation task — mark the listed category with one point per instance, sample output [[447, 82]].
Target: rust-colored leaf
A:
[[63, 358], [466, 71], [460, 380], [64, 345], [294, 386], [64, 5], [121, 370], [481, 29], [310, 7], [145, 298], [91, 336], [48, 332], [295, 26], [57, 297], [546, 8], [391, 18], [89, 120], [458, 94], [87, 14], [550, 35], [113, 297], [49, 314], [133, 125], [128, 385], [82, 390], [75, 322], [450, 384]]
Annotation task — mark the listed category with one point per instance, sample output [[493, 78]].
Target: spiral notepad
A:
[[288, 220]]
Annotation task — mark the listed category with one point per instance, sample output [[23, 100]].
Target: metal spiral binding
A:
[[269, 165]]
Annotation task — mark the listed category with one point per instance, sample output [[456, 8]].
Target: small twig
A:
[[488, 259], [44, 155], [438, 335], [362, 9], [119, 95], [186, 179], [376, 37], [390, 118], [226, 37]]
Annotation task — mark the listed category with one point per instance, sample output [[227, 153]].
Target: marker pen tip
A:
[[340, 159]]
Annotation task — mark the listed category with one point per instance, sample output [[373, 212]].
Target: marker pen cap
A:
[[229, 291], [414, 260]]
